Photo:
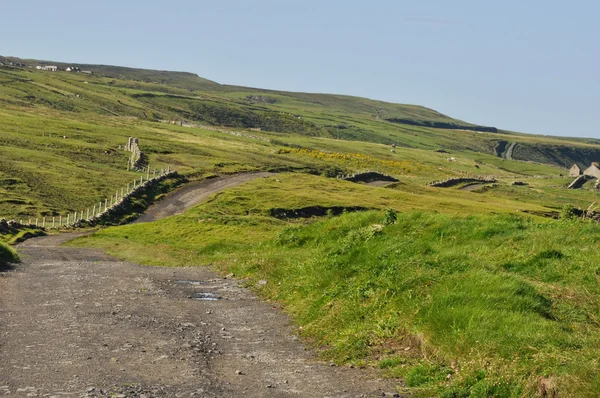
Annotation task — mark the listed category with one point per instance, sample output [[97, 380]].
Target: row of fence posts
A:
[[96, 210]]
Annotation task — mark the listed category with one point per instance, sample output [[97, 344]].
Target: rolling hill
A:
[[482, 286]]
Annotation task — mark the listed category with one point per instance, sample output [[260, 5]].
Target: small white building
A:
[[50, 68]]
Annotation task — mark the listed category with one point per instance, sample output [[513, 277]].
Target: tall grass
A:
[[462, 306], [7, 255]]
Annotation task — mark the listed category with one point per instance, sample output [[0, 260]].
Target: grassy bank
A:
[[485, 305], [7, 255]]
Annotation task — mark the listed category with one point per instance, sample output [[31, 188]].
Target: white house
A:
[[50, 68]]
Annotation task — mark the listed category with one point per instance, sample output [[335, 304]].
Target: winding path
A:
[[195, 193], [509, 151], [76, 322]]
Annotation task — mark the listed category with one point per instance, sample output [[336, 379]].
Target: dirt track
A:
[[75, 322], [195, 193]]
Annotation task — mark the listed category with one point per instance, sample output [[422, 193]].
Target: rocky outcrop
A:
[[369, 176], [450, 182]]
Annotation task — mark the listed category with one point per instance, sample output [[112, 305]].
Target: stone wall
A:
[[137, 161]]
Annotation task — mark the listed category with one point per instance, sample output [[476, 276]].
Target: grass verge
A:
[[7, 255]]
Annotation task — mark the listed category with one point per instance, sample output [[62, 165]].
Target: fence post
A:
[[44, 222], [141, 179], [122, 193], [75, 217], [60, 221], [53, 221], [105, 204], [36, 222], [154, 173], [88, 213], [68, 214], [148, 173]]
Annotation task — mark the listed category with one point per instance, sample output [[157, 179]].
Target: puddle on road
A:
[[195, 283], [206, 297]]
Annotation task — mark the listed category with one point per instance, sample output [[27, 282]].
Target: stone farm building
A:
[[575, 171], [592, 171]]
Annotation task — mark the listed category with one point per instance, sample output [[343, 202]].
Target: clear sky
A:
[[525, 65]]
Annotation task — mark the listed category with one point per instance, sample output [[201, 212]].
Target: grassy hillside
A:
[[185, 97], [73, 125], [475, 290]]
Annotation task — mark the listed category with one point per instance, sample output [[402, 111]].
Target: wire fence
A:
[[103, 208]]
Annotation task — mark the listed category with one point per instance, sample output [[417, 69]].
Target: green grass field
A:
[[469, 293]]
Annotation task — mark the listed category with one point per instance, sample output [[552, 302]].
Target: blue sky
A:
[[530, 66]]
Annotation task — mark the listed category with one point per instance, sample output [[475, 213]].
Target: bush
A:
[[390, 217], [567, 212]]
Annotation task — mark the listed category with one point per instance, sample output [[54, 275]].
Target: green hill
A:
[[484, 288], [185, 97]]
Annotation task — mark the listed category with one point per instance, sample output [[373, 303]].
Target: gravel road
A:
[[195, 193], [78, 323]]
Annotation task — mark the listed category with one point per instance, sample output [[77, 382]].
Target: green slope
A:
[[185, 97]]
